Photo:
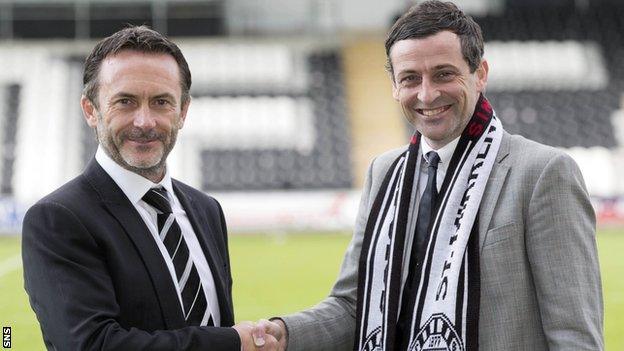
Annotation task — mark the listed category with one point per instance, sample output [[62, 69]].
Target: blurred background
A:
[[290, 97], [290, 103]]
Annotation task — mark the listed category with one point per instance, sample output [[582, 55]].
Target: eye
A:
[[162, 102], [408, 79], [123, 102], [445, 75]]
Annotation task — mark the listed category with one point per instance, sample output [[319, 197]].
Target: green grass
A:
[[15, 311], [278, 274], [611, 252]]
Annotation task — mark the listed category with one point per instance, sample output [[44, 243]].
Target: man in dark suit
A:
[[124, 257]]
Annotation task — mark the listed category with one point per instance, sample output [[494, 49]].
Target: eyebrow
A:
[[164, 96], [123, 95], [446, 65], [407, 71], [133, 96], [438, 67]]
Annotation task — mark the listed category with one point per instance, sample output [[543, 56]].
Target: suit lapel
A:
[[492, 191], [124, 212], [205, 235]]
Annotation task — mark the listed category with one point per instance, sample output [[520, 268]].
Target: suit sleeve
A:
[[72, 294], [226, 256], [330, 325], [561, 248]]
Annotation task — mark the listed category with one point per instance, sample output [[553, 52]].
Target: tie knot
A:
[[433, 159], [157, 198]]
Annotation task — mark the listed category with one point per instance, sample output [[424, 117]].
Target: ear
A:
[[183, 113], [89, 111], [482, 75], [395, 89]]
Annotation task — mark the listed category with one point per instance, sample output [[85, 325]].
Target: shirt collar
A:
[[132, 184], [445, 152]]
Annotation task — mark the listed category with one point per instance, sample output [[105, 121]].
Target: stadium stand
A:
[[292, 113], [579, 108], [82, 19], [9, 128], [569, 113], [559, 118], [271, 137]]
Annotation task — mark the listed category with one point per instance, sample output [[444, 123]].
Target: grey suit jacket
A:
[[540, 280]]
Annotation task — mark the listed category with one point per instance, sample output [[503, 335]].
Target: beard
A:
[[148, 161]]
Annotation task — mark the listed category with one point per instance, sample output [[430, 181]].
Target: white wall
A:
[[325, 16]]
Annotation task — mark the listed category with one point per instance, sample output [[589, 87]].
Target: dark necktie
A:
[[193, 298], [426, 205], [421, 236]]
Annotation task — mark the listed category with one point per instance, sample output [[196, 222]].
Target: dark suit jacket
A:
[[97, 281]]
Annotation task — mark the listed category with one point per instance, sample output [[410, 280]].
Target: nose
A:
[[144, 118], [428, 92]]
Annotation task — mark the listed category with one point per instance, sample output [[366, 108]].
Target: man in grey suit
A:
[[469, 238]]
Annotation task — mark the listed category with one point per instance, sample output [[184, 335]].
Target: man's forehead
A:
[[135, 73], [440, 49], [134, 63], [444, 41]]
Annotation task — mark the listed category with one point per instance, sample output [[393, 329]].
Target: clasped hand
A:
[[264, 335]]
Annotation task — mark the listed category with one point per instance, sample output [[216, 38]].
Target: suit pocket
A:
[[500, 234]]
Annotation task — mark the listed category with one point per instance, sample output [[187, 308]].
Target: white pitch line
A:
[[11, 264]]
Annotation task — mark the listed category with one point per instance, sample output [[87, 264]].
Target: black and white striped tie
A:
[[193, 298]]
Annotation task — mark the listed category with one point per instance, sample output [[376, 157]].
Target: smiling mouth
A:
[[432, 111], [142, 140]]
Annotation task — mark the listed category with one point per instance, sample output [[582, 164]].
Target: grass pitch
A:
[[279, 273]]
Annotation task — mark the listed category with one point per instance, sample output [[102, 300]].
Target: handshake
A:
[[264, 335]]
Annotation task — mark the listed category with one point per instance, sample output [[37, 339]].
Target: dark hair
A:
[[431, 17], [137, 38]]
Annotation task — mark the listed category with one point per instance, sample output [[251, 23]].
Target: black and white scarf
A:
[[446, 311]]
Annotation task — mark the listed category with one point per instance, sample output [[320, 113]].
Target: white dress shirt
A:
[[445, 153], [134, 187]]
